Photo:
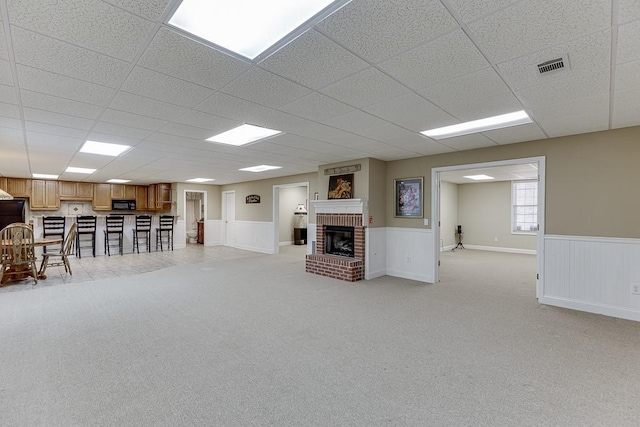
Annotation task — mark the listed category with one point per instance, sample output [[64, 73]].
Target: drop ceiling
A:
[[361, 83]]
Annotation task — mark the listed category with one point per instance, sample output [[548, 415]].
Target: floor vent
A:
[[557, 64]]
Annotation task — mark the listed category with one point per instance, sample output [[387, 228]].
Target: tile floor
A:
[[88, 268]]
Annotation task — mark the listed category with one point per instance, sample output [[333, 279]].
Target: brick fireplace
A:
[[344, 217]]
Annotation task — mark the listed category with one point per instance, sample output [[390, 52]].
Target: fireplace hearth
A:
[[339, 241]]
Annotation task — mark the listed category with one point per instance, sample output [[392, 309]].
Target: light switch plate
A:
[[426, 221]]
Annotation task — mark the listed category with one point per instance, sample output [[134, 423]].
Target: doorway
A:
[[286, 197], [507, 170], [229, 218], [194, 209]]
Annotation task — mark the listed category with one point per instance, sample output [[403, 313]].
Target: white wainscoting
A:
[[212, 232], [311, 238], [500, 249], [180, 234], [375, 262], [255, 236], [592, 274], [408, 253]]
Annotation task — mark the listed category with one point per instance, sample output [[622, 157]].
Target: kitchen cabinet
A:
[[152, 193], [101, 197], [70, 190], [117, 191], [19, 187], [130, 192], [142, 197], [45, 195], [164, 196], [3, 184], [201, 232]]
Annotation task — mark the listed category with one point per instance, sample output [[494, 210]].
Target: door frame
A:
[[435, 211], [224, 215], [276, 211], [184, 207]]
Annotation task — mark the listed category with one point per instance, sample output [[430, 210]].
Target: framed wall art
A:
[[408, 197], [341, 186]]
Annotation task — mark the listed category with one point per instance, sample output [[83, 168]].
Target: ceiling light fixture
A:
[[43, 176], [479, 177], [243, 134], [200, 180], [260, 168], [482, 125], [71, 169], [249, 28], [103, 148], [118, 181]]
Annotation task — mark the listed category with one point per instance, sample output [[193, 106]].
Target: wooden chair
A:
[[165, 229], [62, 257], [143, 227], [53, 226], [17, 252], [114, 225]]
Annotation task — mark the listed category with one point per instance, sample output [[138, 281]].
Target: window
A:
[[524, 198]]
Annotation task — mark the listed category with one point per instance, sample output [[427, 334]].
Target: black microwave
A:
[[123, 205]]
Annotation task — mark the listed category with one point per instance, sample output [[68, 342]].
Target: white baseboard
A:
[[410, 276], [285, 243], [606, 310], [375, 274], [499, 249], [447, 248]]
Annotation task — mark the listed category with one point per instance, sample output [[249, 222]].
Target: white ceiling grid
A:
[[361, 83]]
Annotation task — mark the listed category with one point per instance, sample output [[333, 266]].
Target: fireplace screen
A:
[[339, 241]]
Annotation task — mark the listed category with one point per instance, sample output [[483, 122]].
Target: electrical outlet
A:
[[408, 260], [426, 221], [635, 289]]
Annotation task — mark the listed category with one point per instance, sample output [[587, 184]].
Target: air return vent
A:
[[557, 64]]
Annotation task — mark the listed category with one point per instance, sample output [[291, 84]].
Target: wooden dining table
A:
[[23, 271]]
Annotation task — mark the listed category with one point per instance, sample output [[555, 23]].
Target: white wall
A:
[[448, 213], [290, 198]]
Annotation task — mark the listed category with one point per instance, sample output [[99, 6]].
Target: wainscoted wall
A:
[[592, 274], [179, 234], [255, 236], [375, 264], [408, 253], [500, 249], [213, 232], [311, 237]]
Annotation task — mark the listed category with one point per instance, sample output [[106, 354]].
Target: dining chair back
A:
[[142, 230], [53, 226], [165, 232], [62, 257], [86, 233], [114, 226], [17, 252]]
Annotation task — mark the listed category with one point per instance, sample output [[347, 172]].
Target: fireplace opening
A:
[[339, 241]]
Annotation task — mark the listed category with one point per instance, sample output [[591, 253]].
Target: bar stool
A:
[[86, 227], [52, 226], [114, 225], [165, 229], [143, 226]]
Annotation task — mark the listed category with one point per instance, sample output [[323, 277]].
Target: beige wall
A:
[[377, 196], [214, 201], [592, 180], [484, 211], [263, 211], [448, 212], [360, 179]]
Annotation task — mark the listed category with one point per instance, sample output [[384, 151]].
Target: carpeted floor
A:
[[256, 341]]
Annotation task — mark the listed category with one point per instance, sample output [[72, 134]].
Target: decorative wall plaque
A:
[[252, 198], [342, 169]]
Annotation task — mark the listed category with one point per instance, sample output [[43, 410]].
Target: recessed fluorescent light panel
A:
[[260, 168], [44, 176], [250, 27], [243, 134], [479, 177], [482, 125], [71, 169], [118, 181], [200, 180], [103, 148]]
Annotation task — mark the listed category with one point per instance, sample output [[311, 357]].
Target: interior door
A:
[[229, 219]]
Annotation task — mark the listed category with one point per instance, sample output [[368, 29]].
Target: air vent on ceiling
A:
[[557, 64]]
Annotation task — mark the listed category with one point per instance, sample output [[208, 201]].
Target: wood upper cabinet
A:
[[19, 187], [3, 183], [164, 197], [102, 197], [70, 190], [44, 195], [152, 193], [130, 192], [117, 191], [142, 197]]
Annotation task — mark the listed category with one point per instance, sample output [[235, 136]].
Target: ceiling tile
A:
[[9, 122], [203, 120], [628, 10], [119, 130], [61, 144], [467, 142], [265, 88], [470, 10], [9, 110], [435, 62], [412, 112], [626, 108], [92, 24], [477, 85], [529, 26], [355, 120], [393, 154], [46, 53], [8, 94], [428, 148], [132, 120], [173, 54], [137, 104], [628, 36], [230, 107], [365, 88], [628, 76], [585, 54], [574, 116], [150, 9], [54, 130], [528, 132], [186, 131], [474, 109], [70, 107], [165, 88], [6, 76], [49, 117], [314, 61], [379, 29], [3, 43], [62, 86], [316, 107]]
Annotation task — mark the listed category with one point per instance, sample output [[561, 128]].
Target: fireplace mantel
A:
[[338, 206]]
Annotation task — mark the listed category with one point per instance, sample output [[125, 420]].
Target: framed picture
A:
[[408, 197], [341, 186]]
